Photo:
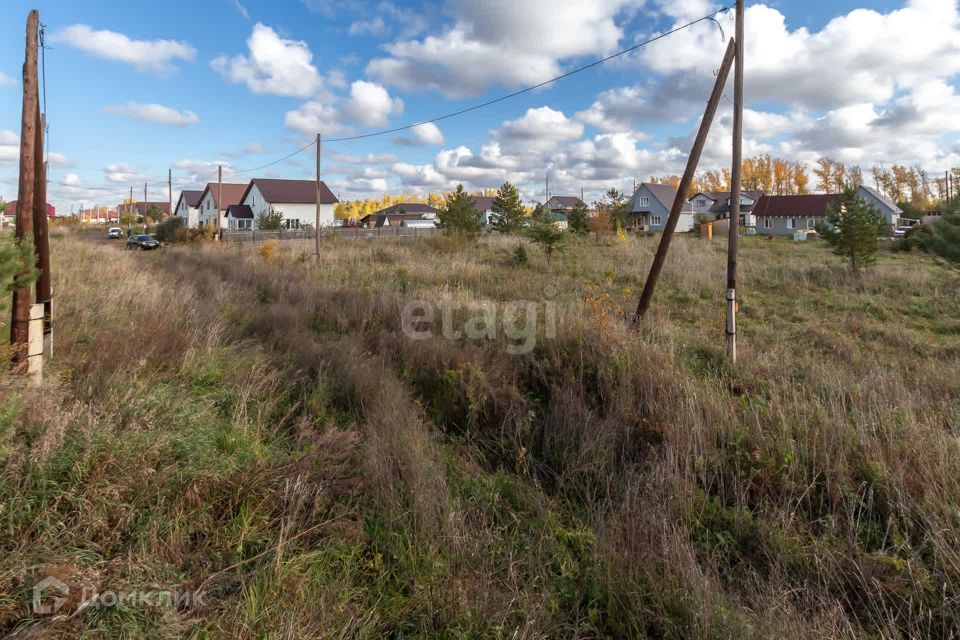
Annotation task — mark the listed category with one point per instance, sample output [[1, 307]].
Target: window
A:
[[791, 223], [700, 203], [245, 224], [655, 220], [644, 201], [767, 223], [292, 224]]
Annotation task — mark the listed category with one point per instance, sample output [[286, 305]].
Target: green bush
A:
[[166, 231]]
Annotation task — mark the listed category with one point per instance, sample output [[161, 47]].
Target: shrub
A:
[[519, 256], [547, 235], [577, 220], [944, 238], [166, 231], [508, 208], [270, 220]]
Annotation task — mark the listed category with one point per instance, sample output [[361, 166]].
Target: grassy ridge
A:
[[258, 424]]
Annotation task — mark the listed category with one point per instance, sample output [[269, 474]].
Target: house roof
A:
[[239, 211], [814, 205], [191, 196], [666, 195], [565, 201], [405, 207], [143, 208], [232, 193], [12, 209], [483, 203], [882, 198], [291, 191]]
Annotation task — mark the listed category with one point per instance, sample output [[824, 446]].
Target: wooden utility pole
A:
[[645, 298], [41, 238], [735, 178], [219, 196], [316, 229], [129, 210], [170, 191], [20, 321]]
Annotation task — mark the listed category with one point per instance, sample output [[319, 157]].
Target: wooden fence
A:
[[350, 233]]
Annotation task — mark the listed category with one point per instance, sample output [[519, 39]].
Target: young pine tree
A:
[[459, 214], [508, 209], [853, 230], [577, 219]]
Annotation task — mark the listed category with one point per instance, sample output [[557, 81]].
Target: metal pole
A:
[[735, 178], [41, 239], [645, 298], [219, 196], [22, 299], [170, 191], [316, 229]]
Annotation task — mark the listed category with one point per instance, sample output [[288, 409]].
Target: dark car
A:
[[142, 243]]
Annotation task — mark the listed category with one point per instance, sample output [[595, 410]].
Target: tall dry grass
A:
[[607, 484]]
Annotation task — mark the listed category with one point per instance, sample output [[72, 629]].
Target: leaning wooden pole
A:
[[22, 297], [685, 182], [735, 189], [41, 238]]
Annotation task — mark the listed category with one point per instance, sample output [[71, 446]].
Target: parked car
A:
[[900, 232], [114, 233], [142, 243]]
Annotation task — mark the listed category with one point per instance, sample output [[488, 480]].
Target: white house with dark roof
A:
[[239, 217], [188, 207], [650, 208], [210, 202], [295, 199]]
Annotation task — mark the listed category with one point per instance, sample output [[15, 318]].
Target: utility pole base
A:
[[35, 349], [732, 325]]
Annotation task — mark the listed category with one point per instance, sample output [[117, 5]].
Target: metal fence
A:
[[351, 233]]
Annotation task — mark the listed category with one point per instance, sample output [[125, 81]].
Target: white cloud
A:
[[370, 158], [501, 42], [542, 128], [154, 113], [312, 117], [370, 104], [851, 60], [274, 65], [145, 55], [7, 81], [423, 134], [242, 10], [375, 26], [10, 150]]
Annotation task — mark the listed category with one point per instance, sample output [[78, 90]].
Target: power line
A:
[[595, 63], [622, 52], [482, 105]]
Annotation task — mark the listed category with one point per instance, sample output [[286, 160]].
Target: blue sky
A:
[[136, 88]]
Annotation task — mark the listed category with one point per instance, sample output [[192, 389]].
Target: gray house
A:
[[650, 208], [891, 212], [715, 205], [784, 215]]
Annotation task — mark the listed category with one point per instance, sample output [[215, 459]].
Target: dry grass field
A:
[[258, 426]]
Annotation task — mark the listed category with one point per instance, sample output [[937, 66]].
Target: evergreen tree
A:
[[577, 219], [853, 229], [459, 214], [547, 235], [270, 220], [508, 209], [944, 237]]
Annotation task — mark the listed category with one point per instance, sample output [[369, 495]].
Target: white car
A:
[[900, 232], [114, 233]]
